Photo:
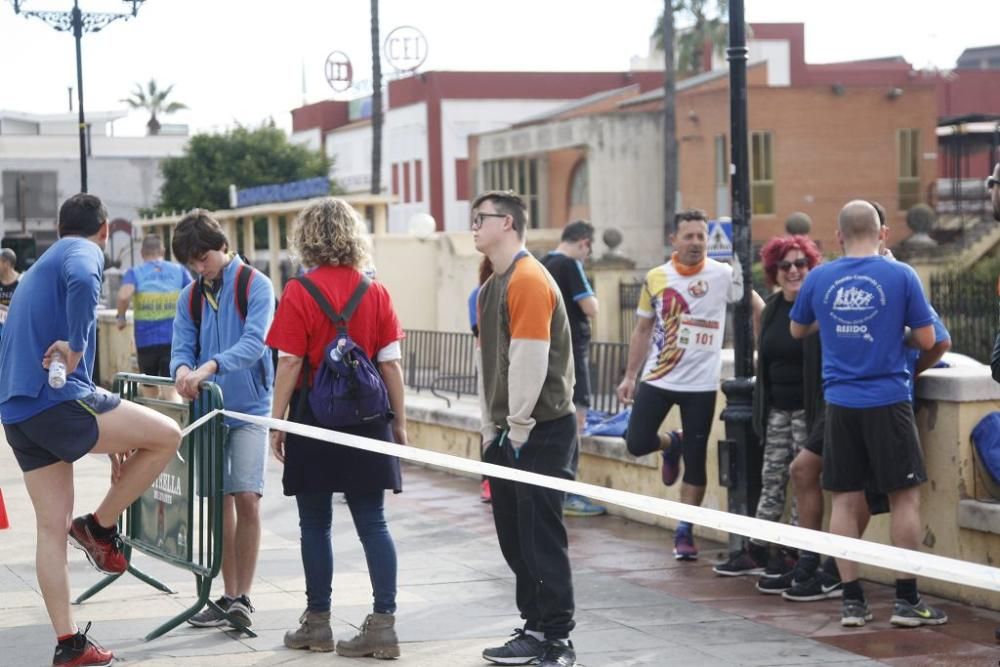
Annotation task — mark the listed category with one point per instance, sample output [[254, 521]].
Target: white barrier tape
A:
[[862, 551]]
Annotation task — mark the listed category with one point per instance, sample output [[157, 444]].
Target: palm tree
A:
[[154, 101], [690, 43]]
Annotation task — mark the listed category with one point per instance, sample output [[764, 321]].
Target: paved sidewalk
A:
[[636, 605]]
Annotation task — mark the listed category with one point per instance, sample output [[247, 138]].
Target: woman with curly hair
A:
[[785, 397], [328, 238]]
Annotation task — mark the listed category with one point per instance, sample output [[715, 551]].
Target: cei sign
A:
[[405, 48]]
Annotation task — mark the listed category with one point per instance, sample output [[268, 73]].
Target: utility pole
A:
[[78, 23]]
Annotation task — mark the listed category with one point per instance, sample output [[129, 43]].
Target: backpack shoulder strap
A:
[[195, 300], [244, 276], [339, 319], [355, 299]]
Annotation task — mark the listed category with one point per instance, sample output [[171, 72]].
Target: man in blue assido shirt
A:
[[861, 304], [53, 312]]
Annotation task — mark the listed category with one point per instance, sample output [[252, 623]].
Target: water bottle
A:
[[57, 371], [337, 353]]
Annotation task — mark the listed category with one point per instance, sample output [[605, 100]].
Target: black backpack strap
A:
[[244, 275], [339, 319], [195, 304]]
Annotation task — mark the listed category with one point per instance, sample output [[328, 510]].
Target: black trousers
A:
[[530, 527]]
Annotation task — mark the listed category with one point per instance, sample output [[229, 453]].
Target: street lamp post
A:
[[79, 22], [740, 454]]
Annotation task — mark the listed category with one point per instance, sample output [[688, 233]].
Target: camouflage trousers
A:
[[786, 434]]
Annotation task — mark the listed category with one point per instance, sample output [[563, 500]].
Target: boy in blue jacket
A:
[[213, 340]]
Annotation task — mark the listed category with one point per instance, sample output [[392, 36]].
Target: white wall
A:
[[624, 158], [459, 119], [124, 184], [351, 152], [68, 146], [405, 142], [311, 138]]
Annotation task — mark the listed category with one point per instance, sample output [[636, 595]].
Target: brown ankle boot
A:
[[314, 633], [376, 639]]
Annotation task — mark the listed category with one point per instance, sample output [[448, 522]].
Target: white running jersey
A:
[[690, 311]]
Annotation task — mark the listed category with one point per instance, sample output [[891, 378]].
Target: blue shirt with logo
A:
[[158, 283], [862, 305]]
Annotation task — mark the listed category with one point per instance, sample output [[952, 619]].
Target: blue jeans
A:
[[315, 519]]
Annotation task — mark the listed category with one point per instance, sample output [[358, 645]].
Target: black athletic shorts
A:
[[64, 432], [878, 502], [154, 360], [877, 445], [581, 366]]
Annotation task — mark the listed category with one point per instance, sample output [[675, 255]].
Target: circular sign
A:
[[339, 73], [405, 48]]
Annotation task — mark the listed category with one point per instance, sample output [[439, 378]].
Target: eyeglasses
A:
[[478, 218], [799, 264]]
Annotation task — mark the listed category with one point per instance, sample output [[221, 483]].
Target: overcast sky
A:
[[235, 60]]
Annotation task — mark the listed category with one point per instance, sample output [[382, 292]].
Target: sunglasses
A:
[[798, 264]]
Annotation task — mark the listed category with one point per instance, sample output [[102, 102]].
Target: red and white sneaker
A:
[[82, 652], [104, 553]]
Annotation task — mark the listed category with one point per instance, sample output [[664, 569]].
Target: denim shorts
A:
[[244, 459], [65, 432]]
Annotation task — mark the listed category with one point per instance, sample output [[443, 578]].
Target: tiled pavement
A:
[[636, 605]]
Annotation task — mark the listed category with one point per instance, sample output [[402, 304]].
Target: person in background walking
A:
[[155, 286], [565, 263], [9, 279]]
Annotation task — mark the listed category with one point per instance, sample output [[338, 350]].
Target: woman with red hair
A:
[[785, 400]]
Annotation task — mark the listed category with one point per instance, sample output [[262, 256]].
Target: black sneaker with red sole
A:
[[82, 651]]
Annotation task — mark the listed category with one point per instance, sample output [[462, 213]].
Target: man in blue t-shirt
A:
[[52, 318], [862, 304], [154, 285]]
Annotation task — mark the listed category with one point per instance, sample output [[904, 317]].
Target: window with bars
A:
[[762, 173], [519, 175], [908, 148]]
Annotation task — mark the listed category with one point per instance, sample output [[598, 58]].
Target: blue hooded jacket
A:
[[246, 374]]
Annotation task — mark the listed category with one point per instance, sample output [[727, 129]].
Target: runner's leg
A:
[[128, 427], [51, 492]]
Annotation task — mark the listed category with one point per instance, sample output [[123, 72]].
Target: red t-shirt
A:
[[301, 328]]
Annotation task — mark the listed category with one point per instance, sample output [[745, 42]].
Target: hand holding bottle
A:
[[60, 361]]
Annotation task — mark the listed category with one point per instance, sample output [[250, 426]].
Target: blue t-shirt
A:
[[474, 307], [56, 300], [157, 283], [862, 305], [913, 355]]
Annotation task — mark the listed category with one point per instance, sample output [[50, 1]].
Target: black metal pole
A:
[[740, 455], [77, 36]]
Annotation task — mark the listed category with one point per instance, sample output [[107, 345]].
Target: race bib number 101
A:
[[696, 334]]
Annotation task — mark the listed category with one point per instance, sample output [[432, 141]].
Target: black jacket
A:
[[812, 372]]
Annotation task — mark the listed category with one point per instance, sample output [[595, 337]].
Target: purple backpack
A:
[[348, 389]]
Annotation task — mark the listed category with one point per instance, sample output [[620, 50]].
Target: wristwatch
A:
[[121, 318]]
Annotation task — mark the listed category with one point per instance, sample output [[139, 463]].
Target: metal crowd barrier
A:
[[178, 520]]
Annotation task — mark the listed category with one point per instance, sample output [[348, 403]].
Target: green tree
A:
[[243, 157], [153, 100], [705, 26]]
